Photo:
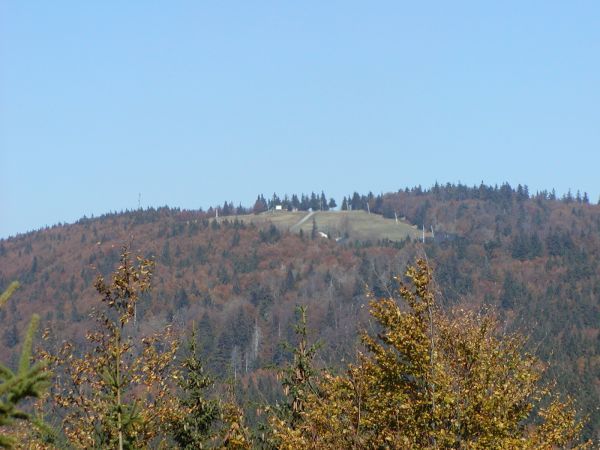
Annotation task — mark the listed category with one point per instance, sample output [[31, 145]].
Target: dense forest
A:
[[533, 260]]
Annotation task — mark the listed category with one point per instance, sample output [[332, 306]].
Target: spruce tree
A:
[[299, 377], [299, 380], [194, 428], [344, 204], [30, 380]]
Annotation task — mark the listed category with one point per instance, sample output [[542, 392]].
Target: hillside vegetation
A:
[[533, 259]]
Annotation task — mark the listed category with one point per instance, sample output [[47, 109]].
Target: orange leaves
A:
[[433, 380]]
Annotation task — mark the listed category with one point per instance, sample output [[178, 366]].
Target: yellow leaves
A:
[[433, 379], [114, 387]]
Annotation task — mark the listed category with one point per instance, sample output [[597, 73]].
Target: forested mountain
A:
[[534, 258]]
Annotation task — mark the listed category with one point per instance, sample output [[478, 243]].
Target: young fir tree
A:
[[299, 380], [432, 380], [30, 380], [194, 429]]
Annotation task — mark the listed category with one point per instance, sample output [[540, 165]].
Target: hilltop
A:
[[349, 225], [533, 258]]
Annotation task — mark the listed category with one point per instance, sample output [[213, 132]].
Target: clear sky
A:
[[193, 103]]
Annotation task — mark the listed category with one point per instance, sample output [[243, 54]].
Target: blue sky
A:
[[194, 103]]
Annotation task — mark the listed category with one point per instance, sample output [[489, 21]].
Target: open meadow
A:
[[355, 225]]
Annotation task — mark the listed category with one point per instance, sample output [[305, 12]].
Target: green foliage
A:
[[299, 377], [512, 291], [194, 427], [271, 235], [29, 381], [526, 247], [12, 287]]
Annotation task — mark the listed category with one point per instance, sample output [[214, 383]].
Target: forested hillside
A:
[[533, 258]]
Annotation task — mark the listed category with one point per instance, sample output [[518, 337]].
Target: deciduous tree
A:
[[119, 393], [434, 380]]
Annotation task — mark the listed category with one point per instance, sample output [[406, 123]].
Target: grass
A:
[[357, 225]]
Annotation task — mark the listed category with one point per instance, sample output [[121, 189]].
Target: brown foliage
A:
[[431, 380]]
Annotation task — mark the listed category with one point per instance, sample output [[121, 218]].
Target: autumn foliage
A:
[[424, 378], [432, 380], [129, 393], [118, 394]]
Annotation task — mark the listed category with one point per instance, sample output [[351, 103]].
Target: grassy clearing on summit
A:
[[357, 225]]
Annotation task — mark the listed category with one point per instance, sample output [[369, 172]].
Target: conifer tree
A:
[[30, 380], [344, 204], [299, 380], [194, 427]]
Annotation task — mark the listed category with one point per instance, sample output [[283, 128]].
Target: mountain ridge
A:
[[536, 260]]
